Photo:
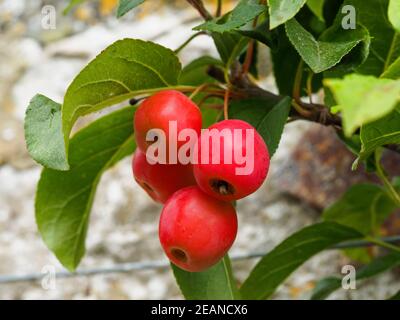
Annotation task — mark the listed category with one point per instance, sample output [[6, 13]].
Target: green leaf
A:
[[64, 198], [237, 51], [360, 255], [284, 72], [216, 283], [317, 6], [394, 14], [195, 73], [228, 42], [393, 71], [278, 264], [281, 11], [125, 69], [363, 207], [381, 132], [72, 4], [43, 133], [329, 50], [261, 33], [127, 5], [267, 116], [245, 11], [325, 287], [328, 285], [363, 99], [385, 42]]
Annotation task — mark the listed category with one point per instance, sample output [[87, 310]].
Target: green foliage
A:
[[43, 133], [122, 71], [379, 133], [317, 6], [228, 43], [394, 14], [284, 72], [363, 207], [125, 6], [72, 4], [64, 198], [278, 264], [385, 42], [328, 285], [261, 33], [195, 73], [216, 283], [393, 71], [268, 117], [331, 47], [245, 11], [281, 11], [373, 92]]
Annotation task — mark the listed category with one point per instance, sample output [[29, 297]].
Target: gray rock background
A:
[[123, 224]]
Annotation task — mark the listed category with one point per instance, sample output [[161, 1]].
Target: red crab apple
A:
[[196, 230], [236, 166], [160, 181], [166, 110]]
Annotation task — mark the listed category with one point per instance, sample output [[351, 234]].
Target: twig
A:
[[382, 175], [199, 6], [318, 113], [198, 90], [226, 103], [218, 11], [183, 45], [250, 49], [309, 85], [249, 57], [297, 81]]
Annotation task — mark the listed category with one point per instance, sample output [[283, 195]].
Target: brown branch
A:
[[199, 6], [219, 8], [243, 87]]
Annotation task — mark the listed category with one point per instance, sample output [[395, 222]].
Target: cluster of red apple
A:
[[198, 223]]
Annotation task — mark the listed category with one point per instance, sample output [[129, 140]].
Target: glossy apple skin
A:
[[196, 230], [160, 181], [156, 111], [211, 176]]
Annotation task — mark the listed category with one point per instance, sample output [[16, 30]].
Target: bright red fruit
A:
[[160, 181], [157, 111], [248, 166], [196, 230]]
